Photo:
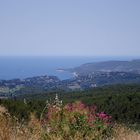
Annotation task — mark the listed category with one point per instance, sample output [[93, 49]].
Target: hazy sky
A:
[[70, 27]]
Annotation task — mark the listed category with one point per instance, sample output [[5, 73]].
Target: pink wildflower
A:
[[69, 107]]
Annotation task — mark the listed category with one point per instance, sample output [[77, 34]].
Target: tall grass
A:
[[121, 132]]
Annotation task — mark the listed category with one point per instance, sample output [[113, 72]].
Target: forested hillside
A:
[[122, 102]]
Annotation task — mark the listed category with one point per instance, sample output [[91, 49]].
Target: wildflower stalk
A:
[[41, 115]]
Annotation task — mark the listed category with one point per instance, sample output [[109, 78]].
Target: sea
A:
[[20, 67]]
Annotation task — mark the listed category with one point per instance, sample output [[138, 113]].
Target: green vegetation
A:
[[122, 102], [72, 121]]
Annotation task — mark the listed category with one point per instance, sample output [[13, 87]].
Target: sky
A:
[[69, 27]]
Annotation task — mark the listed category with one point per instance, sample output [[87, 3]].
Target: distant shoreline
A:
[[60, 70]]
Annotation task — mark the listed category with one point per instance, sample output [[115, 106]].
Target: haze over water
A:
[[23, 67]]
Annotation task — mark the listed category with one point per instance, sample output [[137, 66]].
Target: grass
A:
[[121, 132]]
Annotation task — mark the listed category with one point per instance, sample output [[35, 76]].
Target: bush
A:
[[75, 121]]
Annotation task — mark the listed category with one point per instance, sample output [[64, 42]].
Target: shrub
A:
[[75, 121]]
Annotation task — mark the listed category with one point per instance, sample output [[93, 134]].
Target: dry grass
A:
[[121, 132], [10, 129]]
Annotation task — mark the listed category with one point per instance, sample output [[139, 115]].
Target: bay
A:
[[23, 67]]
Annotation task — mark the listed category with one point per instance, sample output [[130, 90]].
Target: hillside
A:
[[108, 66], [119, 101], [41, 84]]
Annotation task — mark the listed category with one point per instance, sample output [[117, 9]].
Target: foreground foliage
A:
[[74, 121]]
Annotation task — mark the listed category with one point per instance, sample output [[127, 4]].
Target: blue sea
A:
[[23, 67]]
